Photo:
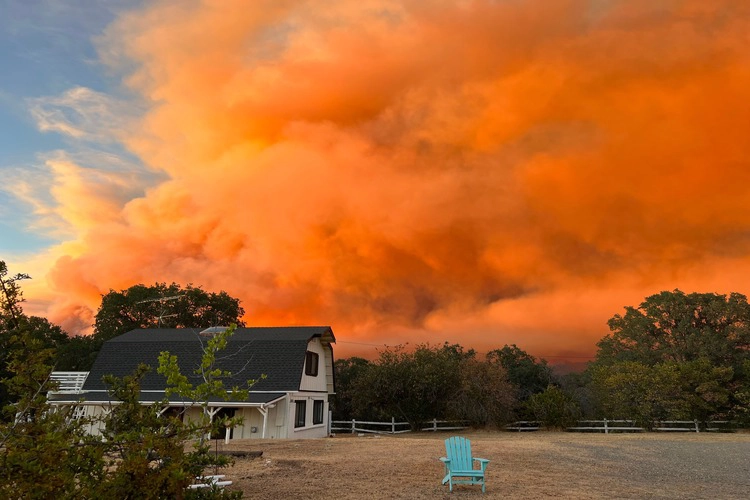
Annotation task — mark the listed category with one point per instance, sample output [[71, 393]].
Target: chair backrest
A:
[[458, 449]]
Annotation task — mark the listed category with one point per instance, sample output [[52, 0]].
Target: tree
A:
[[46, 451], [706, 389], [703, 337], [10, 298], [484, 396], [679, 327], [157, 306], [165, 306], [146, 450], [346, 372], [646, 394], [43, 453], [554, 408], [212, 385], [15, 326], [524, 371], [416, 386]]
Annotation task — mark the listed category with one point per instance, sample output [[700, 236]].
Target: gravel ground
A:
[[528, 465]]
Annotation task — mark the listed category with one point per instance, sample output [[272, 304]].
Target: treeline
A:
[[676, 356]]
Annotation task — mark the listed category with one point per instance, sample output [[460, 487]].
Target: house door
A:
[[221, 432]]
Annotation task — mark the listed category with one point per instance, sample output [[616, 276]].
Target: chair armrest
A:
[[482, 462], [445, 460]]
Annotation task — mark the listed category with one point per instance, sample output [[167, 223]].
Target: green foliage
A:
[[44, 453], [164, 306], [140, 453], [554, 408], [679, 327], [143, 306], [10, 298], [47, 452], [428, 382], [484, 397], [524, 371], [702, 339], [147, 455], [633, 390], [346, 372], [213, 381], [416, 386]]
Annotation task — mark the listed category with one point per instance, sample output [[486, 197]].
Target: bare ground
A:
[[528, 465]]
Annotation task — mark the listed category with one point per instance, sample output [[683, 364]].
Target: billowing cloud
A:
[[485, 172]]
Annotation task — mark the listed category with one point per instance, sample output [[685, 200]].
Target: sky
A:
[[477, 172]]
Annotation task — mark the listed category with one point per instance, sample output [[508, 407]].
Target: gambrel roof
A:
[[276, 352]]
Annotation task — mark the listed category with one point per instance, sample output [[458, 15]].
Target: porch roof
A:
[[148, 397]]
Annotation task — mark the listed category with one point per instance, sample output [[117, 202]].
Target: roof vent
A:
[[210, 332]]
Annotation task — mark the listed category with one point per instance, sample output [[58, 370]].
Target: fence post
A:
[[606, 429], [697, 429], [353, 426], [393, 425], [434, 425]]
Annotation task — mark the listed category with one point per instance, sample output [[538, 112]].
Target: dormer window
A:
[[311, 363]]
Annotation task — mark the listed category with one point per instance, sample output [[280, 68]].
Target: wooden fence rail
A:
[[393, 427], [524, 426], [604, 425], [608, 426]]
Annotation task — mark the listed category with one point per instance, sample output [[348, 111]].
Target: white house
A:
[[293, 367]]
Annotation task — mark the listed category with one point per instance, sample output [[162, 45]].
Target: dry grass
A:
[[529, 465]]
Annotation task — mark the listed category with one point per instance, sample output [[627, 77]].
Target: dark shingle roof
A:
[[276, 352]]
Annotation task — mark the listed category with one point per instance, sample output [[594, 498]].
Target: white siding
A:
[[309, 430], [317, 383]]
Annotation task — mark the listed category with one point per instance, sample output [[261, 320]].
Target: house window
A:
[[318, 411], [299, 413], [311, 364]]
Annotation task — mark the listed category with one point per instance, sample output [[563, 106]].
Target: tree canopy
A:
[[676, 355], [164, 306], [679, 327], [524, 371]]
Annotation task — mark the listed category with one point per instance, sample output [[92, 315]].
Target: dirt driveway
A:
[[533, 465]]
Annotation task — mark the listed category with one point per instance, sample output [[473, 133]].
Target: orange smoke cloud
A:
[[484, 172]]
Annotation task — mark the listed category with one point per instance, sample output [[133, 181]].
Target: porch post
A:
[[263, 411], [211, 414]]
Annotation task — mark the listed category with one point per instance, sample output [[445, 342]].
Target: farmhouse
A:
[[292, 367]]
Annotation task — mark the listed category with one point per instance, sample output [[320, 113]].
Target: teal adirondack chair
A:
[[460, 464]]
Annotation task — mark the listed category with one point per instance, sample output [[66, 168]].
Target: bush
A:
[[554, 408]]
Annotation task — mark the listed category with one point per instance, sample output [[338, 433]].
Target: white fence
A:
[[524, 426], [608, 426], [393, 427], [605, 425]]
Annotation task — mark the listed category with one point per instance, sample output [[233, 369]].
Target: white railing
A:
[[392, 427], [523, 425], [692, 426], [68, 382], [355, 426], [606, 425], [438, 425], [659, 426]]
